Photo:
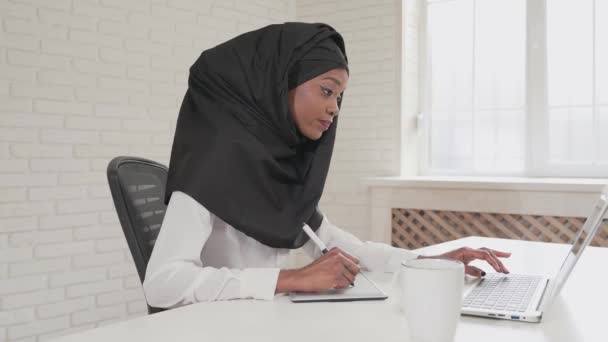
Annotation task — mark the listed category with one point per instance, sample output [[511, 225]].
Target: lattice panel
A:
[[415, 228]]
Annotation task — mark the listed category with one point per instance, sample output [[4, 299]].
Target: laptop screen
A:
[[582, 240]]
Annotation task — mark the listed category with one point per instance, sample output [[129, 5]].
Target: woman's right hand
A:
[[335, 269]]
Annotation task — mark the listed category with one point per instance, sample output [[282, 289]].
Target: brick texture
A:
[[83, 81], [368, 138]]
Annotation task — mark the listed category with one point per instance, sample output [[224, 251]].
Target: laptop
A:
[[526, 297]]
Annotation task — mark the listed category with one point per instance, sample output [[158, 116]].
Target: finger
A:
[[485, 255], [499, 253], [349, 265], [350, 278], [349, 269], [351, 257], [499, 266], [474, 271], [341, 281], [462, 254], [333, 251], [503, 268], [502, 265]]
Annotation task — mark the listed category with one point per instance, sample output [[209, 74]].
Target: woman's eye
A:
[[329, 92]]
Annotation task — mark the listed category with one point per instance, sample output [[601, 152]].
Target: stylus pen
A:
[[317, 241]]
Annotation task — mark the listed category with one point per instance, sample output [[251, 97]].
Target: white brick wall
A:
[[368, 138], [82, 81]]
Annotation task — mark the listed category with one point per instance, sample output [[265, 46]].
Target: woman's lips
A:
[[325, 123]]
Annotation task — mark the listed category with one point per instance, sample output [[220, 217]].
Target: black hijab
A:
[[237, 150]]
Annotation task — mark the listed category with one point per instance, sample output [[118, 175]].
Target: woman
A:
[[251, 152]]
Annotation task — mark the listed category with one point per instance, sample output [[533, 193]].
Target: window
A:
[[515, 87]]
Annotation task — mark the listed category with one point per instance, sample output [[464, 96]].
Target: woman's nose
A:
[[333, 110]]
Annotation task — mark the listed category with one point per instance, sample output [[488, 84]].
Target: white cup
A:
[[431, 298]]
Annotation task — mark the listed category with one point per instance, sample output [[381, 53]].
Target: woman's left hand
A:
[[466, 255]]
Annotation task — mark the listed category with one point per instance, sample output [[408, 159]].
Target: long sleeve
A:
[[373, 256], [177, 276]]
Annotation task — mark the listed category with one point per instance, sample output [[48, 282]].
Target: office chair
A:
[[138, 191]]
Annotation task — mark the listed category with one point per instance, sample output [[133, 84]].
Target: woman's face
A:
[[314, 103]]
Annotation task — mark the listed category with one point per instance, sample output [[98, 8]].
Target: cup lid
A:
[[433, 264]]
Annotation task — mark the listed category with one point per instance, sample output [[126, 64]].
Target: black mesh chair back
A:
[[138, 190]]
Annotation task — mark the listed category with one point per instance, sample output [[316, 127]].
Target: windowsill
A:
[[490, 183], [568, 197]]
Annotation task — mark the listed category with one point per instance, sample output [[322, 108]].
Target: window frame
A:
[[536, 144]]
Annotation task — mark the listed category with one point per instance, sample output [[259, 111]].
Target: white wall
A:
[[82, 81], [368, 138]]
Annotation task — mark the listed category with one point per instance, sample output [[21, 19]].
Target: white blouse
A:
[[198, 257]]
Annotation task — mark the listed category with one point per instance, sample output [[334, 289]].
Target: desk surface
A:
[[578, 314]]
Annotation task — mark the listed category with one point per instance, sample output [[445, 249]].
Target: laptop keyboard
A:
[[503, 292]]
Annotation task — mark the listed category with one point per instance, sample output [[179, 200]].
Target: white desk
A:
[[577, 315]]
